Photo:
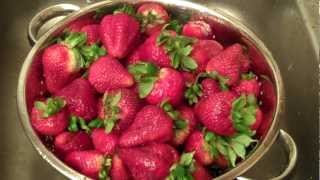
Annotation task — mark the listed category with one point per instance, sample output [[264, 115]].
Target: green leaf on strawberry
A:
[[174, 25], [127, 9], [105, 169], [248, 76], [111, 110], [91, 53], [184, 168], [178, 122], [77, 123], [75, 39], [50, 107]]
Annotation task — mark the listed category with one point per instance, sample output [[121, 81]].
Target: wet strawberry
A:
[[150, 125], [107, 73], [81, 99], [248, 84], [119, 33], [104, 142], [198, 29], [201, 173], [68, 142], [227, 64], [49, 117], [209, 87], [92, 32], [118, 170]]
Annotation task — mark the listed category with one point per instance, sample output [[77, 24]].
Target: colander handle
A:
[[292, 151], [46, 15]]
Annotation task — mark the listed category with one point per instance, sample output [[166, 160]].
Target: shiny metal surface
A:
[[292, 46]]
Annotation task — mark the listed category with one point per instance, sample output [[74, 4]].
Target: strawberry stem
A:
[[74, 39], [178, 122], [105, 169], [184, 168], [51, 107]]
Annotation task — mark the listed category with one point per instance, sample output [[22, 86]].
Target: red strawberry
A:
[[227, 64], [209, 87], [203, 51], [259, 117], [81, 98], [145, 163], [151, 52], [245, 63], [92, 32], [81, 22], [164, 151], [87, 162], [60, 65], [119, 33], [126, 101], [248, 86], [107, 73], [67, 142], [103, 142], [118, 170], [168, 87], [224, 113], [49, 117], [197, 143], [198, 29], [151, 124], [188, 77], [201, 173], [154, 16]]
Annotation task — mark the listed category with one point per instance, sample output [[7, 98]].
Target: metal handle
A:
[[292, 151], [42, 18]]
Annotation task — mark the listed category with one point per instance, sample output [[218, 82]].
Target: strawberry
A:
[[227, 64], [88, 162], [146, 162], [118, 170], [197, 143], [245, 63], [119, 107], [165, 151], [104, 142], [198, 29], [153, 16], [188, 77], [76, 25], [49, 117], [183, 121], [119, 33], [107, 73], [259, 117], [248, 84], [201, 173], [92, 32], [203, 51], [150, 125], [224, 113], [81, 98], [158, 85], [209, 87], [68, 142]]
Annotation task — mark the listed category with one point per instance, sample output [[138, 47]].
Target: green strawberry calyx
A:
[[111, 110], [184, 168], [243, 113], [178, 122], [105, 169], [248, 76], [52, 106], [145, 74], [178, 47], [228, 147], [194, 90], [79, 124]]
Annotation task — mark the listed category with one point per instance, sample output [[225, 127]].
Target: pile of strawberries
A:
[[138, 95]]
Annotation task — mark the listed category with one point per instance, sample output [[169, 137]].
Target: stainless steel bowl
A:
[[30, 79]]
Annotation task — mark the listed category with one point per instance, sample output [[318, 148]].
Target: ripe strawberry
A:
[[227, 64], [146, 163], [224, 113], [248, 85], [118, 170], [107, 73], [125, 101], [68, 142], [188, 77], [165, 151], [153, 15], [88, 162], [258, 121], [198, 29], [49, 117], [245, 63], [203, 51], [104, 142], [201, 173], [81, 98], [81, 22], [149, 51], [209, 87], [158, 86], [150, 125], [92, 32], [197, 143], [119, 33]]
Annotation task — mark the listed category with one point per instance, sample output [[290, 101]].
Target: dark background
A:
[[288, 28]]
